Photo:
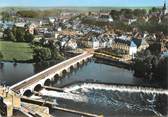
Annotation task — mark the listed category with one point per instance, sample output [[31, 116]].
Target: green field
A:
[[16, 50]]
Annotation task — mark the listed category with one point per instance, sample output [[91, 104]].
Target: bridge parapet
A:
[[49, 73]]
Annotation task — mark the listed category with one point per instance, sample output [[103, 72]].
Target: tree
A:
[[28, 37], [8, 35], [154, 9], [115, 14], [20, 34], [56, 53], [139, 68], [154, 20], [1, 56], [139, 12], [6, 16], [162, 71], [41, 54], [28, 13], [128, 13]]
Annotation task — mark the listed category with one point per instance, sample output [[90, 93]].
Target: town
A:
[[135, 39]]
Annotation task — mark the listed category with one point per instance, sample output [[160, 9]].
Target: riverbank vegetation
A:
[[150, 66]]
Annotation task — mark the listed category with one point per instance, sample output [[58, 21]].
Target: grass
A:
[[16, 50]]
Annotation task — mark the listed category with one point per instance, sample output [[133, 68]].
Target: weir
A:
[[121, 88], [50, 104]]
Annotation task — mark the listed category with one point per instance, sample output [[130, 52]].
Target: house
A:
[[164, 54], [20, 24], [51, 20], [31, 27], [141, 44], [71, 44], [8, 24], [64, 40], [126, 45], [130, 21], [1, 35], [93, 42], [105, 18]]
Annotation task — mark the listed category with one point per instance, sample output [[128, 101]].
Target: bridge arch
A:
[[84, 60], [27, 93], [64, 72], [38, 87], [47, 82], [71, 68], [78, 64], [56, 77]]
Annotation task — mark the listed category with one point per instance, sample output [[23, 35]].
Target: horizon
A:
[[78, 3]]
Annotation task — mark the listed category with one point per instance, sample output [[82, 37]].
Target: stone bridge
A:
[[37, 81]]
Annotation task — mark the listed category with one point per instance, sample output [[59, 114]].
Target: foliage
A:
[[20, 34], [127, 13], [1, 56], [6, 16], [115, 14], [37, 14], [17, 34], [8, 35], [41, 54], [28, 13], [148, 66], [139, 12], [154, 9], [95, 23], [28, 37], [122, 26], [152, 26]]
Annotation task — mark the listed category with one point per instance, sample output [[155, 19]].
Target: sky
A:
[[113, 3]]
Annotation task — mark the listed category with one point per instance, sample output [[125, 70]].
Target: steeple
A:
[[164, 10], [164, 7]]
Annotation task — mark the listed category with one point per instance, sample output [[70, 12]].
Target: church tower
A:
[[164, 10]]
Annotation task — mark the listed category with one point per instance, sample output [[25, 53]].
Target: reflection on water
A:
[[12, 73], [94, 71]]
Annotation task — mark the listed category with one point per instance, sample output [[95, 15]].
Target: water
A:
[[99, 95], [95, 71], [11, 74], [102, 97], [110, 103]]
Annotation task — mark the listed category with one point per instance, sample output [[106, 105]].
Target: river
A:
[[98, 101]]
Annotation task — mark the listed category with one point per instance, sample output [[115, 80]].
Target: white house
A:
[[93, 43], [132, 49], [20, 24], [71, 44], [51, 20]]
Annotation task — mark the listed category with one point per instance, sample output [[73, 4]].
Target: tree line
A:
[[150, 66], [17, 34], [46, 51]]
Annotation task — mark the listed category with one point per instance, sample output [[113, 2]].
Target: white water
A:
[[100, 98], [99, 94], [35, 97], [68, 96], [130, 89]]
